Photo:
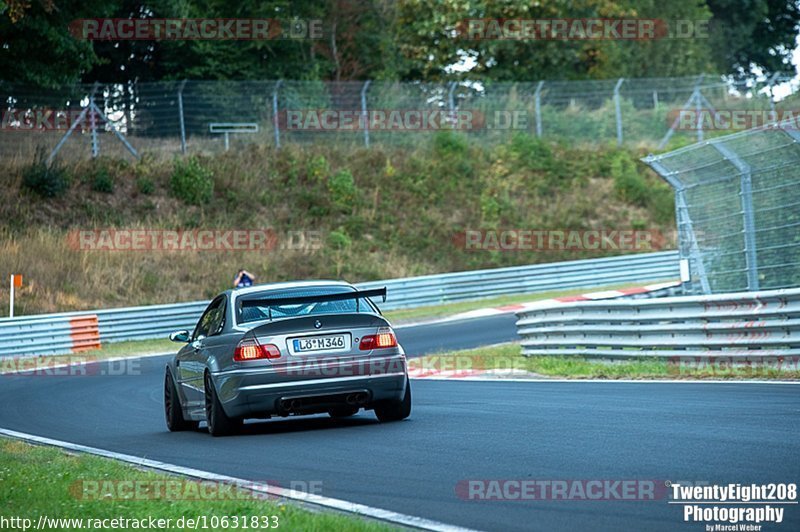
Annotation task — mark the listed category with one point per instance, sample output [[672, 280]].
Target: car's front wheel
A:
[[395, 410], [219, 424], [172, 407]]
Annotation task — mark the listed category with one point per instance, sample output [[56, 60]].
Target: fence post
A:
[[770, 84], [275, 123], [618, 110], [365, 125], [537, 106], [93, 123], [180, 114], [11, 297], [697, 107], [451, 103]]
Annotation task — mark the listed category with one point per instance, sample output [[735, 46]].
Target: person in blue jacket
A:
[[243, 278]]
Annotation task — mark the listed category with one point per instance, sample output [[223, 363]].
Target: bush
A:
[[628, 183], [317, 168], [46, 180], [450, 144], [533, 152], [102, 181], [663, 204], [192, 182], [145, 185], [342, 188], [340, 242]]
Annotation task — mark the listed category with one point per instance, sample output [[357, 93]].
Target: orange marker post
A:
[[15, 282]]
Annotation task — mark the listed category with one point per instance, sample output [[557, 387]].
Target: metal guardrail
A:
[[47, 333], [478, 284], [752, 324]]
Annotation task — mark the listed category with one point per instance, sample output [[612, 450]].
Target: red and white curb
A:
[[516, 374], [511, 309]]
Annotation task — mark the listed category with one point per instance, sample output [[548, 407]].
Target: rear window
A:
[[264, 312]]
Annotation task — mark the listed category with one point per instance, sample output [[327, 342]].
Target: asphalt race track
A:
[[700, 432]]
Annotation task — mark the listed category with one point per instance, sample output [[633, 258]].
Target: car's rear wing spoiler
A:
[[299, 300]]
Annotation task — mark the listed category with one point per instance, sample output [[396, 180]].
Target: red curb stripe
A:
[[511, 307], [568, 299], [637, 290]]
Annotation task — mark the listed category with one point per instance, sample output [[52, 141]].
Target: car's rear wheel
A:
[[343, 411], [172, 407], [395, 410], [219, 424]]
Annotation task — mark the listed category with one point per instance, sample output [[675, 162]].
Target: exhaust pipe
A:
[[291, 404], [358, 398]]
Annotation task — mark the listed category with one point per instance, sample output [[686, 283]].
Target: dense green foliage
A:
[[46, 180], [402, 39], [191, 181]]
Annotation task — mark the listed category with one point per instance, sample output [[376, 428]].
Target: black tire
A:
[[172, 407], [395, 410], [219, 424], [343, 411]]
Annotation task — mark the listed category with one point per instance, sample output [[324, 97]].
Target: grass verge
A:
[[46, 481], [506, 361]]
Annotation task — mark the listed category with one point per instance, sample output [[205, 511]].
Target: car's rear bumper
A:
[[262, 391]]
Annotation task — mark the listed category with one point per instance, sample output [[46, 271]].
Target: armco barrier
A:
[[51, 333], [749, 324]]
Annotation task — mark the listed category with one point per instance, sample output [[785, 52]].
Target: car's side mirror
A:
[[179, 336]]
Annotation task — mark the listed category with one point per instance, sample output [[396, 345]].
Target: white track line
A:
[[607, 381], [306, 498]]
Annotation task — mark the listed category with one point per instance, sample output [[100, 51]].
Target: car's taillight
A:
[[250, 349], [385, 338]]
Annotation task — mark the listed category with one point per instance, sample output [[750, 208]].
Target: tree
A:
[[36, 46], [394, 39], [754, 35]]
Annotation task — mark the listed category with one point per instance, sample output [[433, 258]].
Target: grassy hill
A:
[[376, 213]]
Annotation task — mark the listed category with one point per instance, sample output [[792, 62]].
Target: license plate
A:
[[332, 342]]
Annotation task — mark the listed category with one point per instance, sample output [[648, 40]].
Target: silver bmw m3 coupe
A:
[[286, 349]]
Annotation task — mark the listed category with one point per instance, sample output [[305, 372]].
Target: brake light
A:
[[384, 339], [250, 349]]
